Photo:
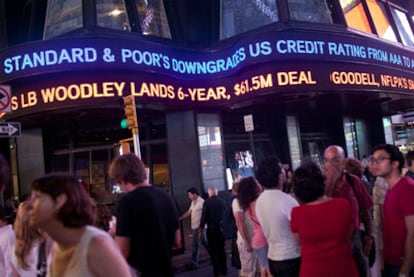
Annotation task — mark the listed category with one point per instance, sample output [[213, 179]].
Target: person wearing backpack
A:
[[354, 167], [337, 185], [229, 228]]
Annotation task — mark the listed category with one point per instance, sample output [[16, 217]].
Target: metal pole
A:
[[137, 148], [252, 148]]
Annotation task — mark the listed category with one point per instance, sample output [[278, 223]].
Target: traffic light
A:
[[130, 121]]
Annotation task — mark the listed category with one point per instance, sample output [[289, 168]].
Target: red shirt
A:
[[360, 202], [324, 231], [399, 203]]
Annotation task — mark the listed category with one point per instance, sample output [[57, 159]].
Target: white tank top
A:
[[78, 264]]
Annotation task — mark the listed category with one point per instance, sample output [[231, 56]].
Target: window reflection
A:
[[159, 166], [152, 18], [60, 163], [82, 166], [99, 168], [112, 14], [62, 16], [381, 21], [310, 11], [238, 16], [403, 27], [211, 150], [355, 15]]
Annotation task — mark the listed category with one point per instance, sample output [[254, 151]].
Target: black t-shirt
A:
[[213, 210], [148, 216]]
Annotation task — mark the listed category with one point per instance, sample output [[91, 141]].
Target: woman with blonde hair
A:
[[29, 257]]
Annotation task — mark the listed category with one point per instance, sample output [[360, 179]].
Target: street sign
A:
[[5, 96], [248, 123], [10, 129]]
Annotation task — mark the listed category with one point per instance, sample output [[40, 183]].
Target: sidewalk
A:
[[205, 269]]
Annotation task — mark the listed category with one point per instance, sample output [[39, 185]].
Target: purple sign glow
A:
[[96, 71], [85, 54]]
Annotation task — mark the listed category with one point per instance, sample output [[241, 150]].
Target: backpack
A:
[[372, 252], [227, 222]]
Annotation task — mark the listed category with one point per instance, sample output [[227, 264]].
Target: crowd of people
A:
[[60, 230], [344, 218]]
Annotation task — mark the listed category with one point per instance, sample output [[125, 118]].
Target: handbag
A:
[[41, 260]]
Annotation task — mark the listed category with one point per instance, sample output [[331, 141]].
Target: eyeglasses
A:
[[373, 160]]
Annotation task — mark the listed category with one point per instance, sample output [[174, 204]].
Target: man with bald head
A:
[[338, 184], [213, 210]]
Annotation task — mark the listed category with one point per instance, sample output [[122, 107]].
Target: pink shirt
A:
[[258, 238], [399, 203]]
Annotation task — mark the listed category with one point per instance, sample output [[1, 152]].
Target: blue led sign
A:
[[96, 53], [93, 71]]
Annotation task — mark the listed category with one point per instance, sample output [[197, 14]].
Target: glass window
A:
[[294, 141], [99, 168], [61, 140], [112, 14], [211, 151], [403, 27], [387, 125], [159, 170], [381, 21], [81, 166], [158, 130], [350, 136], [62, 16], [238, 16], [310, 11], [355, 15], [152, 18], [60, 163]]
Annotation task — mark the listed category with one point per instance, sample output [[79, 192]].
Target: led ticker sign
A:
[[150, 88], [93, 71], [127, 56], [76, 56], [88, 54], [95, 91]]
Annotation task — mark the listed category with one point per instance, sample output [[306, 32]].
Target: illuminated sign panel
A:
[[95, 53], [150, 88], [94, 71]]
